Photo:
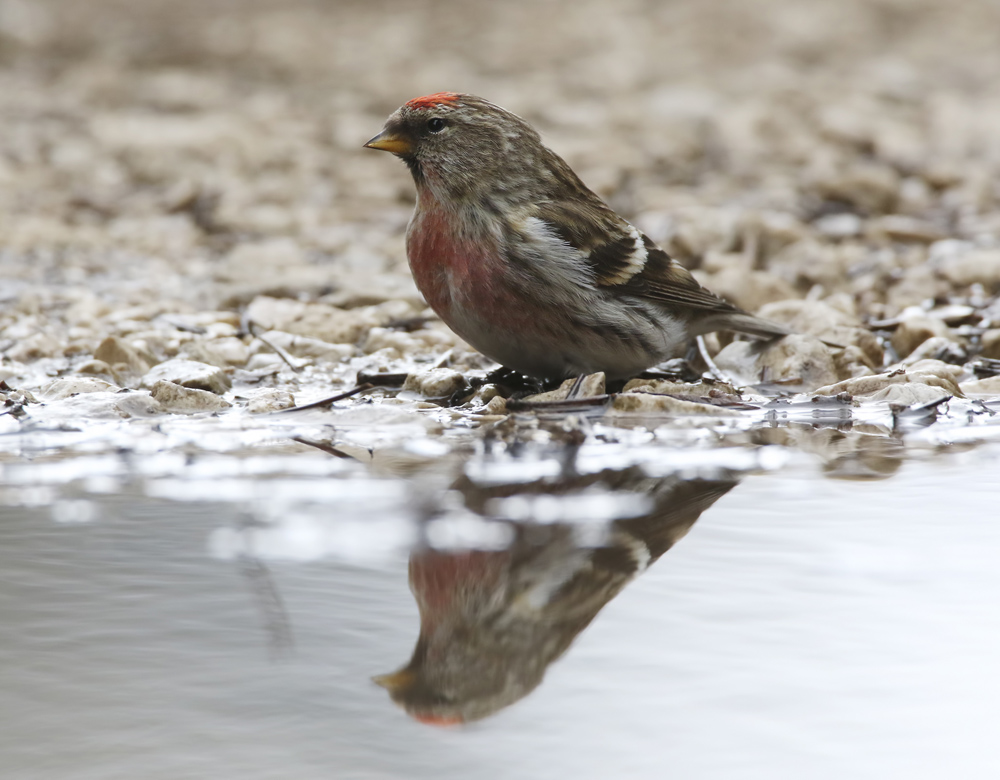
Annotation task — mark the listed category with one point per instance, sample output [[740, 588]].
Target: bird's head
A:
[[460, 145]]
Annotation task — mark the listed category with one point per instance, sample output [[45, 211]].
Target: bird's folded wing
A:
[[624, 259]]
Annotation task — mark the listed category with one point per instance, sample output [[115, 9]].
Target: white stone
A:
[[185, 400], [189, 373]]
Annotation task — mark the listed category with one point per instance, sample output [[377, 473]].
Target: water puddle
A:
[[801, 584]]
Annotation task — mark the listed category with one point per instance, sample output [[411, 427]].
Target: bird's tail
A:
[[742, 323]]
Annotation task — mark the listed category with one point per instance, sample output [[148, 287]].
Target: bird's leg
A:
[[503, 376], [713, 369], [514, 384]]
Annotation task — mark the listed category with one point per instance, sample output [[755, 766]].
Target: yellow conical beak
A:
[[387, 141], [397, 681]]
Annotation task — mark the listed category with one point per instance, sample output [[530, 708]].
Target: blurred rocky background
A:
[[166, 164]]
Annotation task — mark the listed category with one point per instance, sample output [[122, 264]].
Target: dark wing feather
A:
[[596, 231], [611, 248], [609, 244], [665, 280]]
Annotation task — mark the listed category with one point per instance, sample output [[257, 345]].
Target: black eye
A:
[[436, 124]]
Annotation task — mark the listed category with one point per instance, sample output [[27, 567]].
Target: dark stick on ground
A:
[[326, 402]]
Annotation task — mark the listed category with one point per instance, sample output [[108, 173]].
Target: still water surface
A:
[[805, 627]]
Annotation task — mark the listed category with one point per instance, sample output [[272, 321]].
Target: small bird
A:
[[492, 621], [528, 265]]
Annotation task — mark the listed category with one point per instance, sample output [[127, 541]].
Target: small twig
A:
[[709, 400], [982, 405], [252, 328], [324, 446], [574, 389], [280, 639], [385, 379], [565, 405], [325, 402], [922, 414], [179, 324], [444, 360]]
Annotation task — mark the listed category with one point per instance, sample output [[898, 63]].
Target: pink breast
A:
[[446, 583], [456, 274]]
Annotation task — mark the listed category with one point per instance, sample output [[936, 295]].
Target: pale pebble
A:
[[186, 400]]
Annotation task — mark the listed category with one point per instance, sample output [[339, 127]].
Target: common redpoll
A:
[[491, 622], [528, 265]]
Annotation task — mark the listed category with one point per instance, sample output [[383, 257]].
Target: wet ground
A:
[[769, 561]]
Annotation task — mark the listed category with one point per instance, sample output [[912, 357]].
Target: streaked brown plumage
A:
[[526, 263], [491, 622]]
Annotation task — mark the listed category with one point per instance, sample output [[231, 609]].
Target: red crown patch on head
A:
[[430, 101], [437, 720]]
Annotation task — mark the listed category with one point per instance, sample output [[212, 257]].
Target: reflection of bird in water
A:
[[492, 621]]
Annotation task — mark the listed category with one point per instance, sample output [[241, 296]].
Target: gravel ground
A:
[[184, 191]]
